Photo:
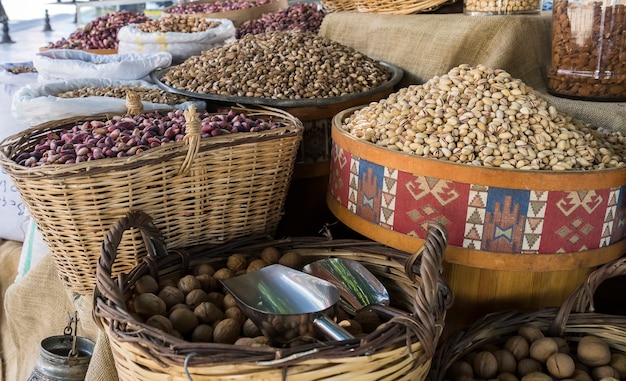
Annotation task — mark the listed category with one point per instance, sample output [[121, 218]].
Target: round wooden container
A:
[[517, 239]]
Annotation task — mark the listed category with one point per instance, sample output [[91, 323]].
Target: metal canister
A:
[[63, 358]]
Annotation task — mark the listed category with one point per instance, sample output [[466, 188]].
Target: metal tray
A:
[[396, 76]]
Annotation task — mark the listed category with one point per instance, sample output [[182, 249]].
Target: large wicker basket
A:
[[402, 349], [338, 5], [574, 319], [399, 7], [209, 191]]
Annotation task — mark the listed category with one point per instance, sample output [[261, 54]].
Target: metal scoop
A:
[[285, 303], [358, 287]]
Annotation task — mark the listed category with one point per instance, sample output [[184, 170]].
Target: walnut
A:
[[291, 259], [256, 265], [171, 295], [204, 268], [235, 313], [148, 304], [195, 297], [270, 255], [160, 322], [208, 313], [237, 262], [226, 331], [188, 283], [146, 283], [229, 301], [207, 282], [223, 274], [202, 333], [183, 320], [250, 329]]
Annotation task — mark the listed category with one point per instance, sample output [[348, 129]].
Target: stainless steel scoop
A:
[[358, 287], [285, 303]]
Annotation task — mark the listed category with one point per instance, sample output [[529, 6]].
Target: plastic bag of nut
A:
[[44, 102], [181, 36]]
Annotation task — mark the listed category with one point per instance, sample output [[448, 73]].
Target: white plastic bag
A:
[[38, 103], [68, 63], [180, 45], [15, 217]]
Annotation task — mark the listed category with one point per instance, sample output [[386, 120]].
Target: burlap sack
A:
[[428, 45]]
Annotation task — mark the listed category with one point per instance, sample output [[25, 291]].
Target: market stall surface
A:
[[28, 28]]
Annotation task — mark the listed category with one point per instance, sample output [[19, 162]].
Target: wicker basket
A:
[[209, 191], [399, 7], [573, 320], [338, 5], [399, 350]]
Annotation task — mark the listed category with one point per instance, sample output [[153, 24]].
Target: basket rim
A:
[[293, 127]]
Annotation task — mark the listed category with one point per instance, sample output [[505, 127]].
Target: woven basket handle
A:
[[581, 299], [152, 237], [193, 133], [433, 296]]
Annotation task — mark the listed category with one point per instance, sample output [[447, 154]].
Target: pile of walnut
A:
[[531, 356], [196, 308]]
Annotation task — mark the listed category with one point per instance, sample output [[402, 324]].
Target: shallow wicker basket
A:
[[399, 350], [209, 191], [338, 5], [573, 320], [399, 7]]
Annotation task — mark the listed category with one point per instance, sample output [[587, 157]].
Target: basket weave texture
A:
[[573, 320], [402, 349], [210, 190], [338, 5], [391, 7]]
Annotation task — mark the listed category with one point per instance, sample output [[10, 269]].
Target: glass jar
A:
[[501, 7], [588, 50]]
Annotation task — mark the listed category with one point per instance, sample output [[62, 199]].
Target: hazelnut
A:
[[291, 259], [148, 304], [188, 283], [237, 262], [618, 362], [527, 365], [217, 298], [458, 369], [146, 283], [183, 320], [604, 371], [506, 361], [270, 255], [226, 331], [536, 376]]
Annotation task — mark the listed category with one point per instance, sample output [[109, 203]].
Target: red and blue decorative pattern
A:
[[477, 216]]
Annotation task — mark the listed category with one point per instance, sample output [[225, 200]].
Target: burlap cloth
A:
[[423, 45], [428, 45]]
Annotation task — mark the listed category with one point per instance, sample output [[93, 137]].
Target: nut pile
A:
[[484, 117], [215, 6], [588, 57], [129, 135], [278, 65], [531, 356], [145, 94], [20, 69], [100, 33], [196, 307], [179, 24], [301, 17]]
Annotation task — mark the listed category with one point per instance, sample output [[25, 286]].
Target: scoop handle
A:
[[329, 328]]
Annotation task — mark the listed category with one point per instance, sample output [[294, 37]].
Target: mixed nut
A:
[[278, 65], [484, 117]]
